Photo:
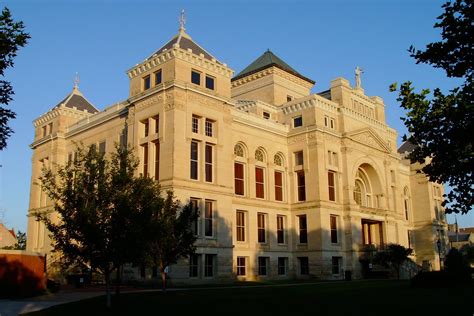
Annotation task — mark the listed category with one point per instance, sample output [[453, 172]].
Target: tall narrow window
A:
[[303, 229], [209, 262], [299, 158], [240, 225], [301, 186], [262, 238], [158, 77], [406, 202], [196, 77], [102, 148], [259, 183], [241, 266], [195, 124], [280, 229], [282, 265], [210, 82], [239, 178], [263, 265], [333, 222], [208, 219], [145, 127], [278, 186], [331, 186], [209, 128], [195, 224], [304, 265], [208, 168], [146, 82], [194, 265], [157, 161], [336, 265], [145, 160], [194, 160], [410, 238], [358, 192], [156, 119]]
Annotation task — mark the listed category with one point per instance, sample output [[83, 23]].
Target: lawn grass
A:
[[331, 298]]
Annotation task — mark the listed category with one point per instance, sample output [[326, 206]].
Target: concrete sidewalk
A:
[[17, 307]]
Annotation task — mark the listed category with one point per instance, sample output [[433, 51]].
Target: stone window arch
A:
[[278, 160], [362, 189], [260, 155], [239, 150]]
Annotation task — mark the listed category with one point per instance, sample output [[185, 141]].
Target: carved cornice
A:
[[187, 55], [62, 110], [271, 71]]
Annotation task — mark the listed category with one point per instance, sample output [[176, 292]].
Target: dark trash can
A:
[[348, 275]]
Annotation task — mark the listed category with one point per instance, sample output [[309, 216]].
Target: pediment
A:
[[369, 137]]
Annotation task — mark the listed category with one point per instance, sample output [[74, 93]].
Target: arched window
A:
[[406, 201], [259, 156], [238, 150], [358, 192], [362, 189], [278, 161]]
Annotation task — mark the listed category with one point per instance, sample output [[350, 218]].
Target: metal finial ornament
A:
[[182, 20], [76, 80]]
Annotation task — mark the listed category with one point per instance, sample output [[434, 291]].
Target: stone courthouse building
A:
[[289, 184]]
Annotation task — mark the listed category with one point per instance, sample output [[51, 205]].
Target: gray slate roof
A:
[[407, 146], [77, 100], [267, 60], [184, 41]]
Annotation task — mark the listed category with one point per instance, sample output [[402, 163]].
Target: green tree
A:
[[393, 257], [20, 242], [170, 234], [96, 217], [441, 125], [12, 37]]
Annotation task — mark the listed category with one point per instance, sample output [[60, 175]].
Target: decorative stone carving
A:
[[153, 100]]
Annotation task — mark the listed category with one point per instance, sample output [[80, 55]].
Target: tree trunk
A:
[[163, 280], [107, 289], [118, 280]]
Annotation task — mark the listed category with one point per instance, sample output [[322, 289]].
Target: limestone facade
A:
[[288, 183]]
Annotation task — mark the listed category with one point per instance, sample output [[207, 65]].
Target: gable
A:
[[368, 137]]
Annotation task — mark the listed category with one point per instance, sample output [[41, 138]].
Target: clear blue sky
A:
[[102, 39]]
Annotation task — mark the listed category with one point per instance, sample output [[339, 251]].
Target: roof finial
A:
[[182, 21], [358, 72], [76, 81]]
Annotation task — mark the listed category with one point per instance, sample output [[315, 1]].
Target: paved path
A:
[[17, 307]]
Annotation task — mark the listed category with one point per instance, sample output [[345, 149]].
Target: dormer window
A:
[[158, 77], [209, 82], [196, 77], [146, 83], [266, 115]]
